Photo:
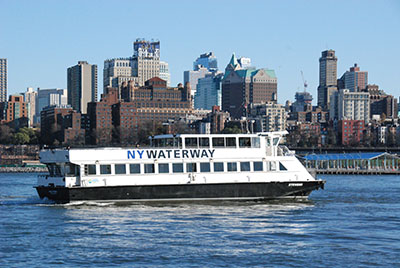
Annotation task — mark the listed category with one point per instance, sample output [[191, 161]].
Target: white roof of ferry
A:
[[276, 133]]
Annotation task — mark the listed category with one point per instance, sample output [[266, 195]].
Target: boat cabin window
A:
[[282, 167], [134, 168], [218, 167], [54, 170], [191, 142], [204, 143], [120, 169], [271, 166], [71, 169], [148, 168], [230, 142], [205, 167], [191, 167], [255, 142], [244, 166], [276, 141], [163, 168], [167, 142], [244, 142], [218, 142], [105, 169], [90, 169], [232, 166], [258, 166], [177, 168]]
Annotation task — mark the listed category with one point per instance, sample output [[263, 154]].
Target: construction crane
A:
[[304, 82]]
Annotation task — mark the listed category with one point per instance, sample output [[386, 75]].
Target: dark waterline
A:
[[354, 222]]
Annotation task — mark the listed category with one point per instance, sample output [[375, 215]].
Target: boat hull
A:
[[182, 192]]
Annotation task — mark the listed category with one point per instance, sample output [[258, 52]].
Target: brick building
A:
[[351, 131]]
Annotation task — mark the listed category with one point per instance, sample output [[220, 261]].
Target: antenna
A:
[[304, 82]]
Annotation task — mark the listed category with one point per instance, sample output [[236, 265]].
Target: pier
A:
[[353, 163]]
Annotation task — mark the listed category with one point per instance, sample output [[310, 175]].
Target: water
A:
[[354, 222]]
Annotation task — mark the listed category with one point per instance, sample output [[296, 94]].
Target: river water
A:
[[354, 222]]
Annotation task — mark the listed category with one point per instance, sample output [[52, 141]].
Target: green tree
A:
[[20, 138]]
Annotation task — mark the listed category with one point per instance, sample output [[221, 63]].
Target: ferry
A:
[[179, 167]]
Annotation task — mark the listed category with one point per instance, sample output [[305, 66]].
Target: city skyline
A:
[[287, 37]]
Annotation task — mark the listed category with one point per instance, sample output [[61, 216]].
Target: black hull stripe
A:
[[223, 191]]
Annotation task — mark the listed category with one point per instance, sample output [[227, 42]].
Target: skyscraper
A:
[[164, 72], [202, 66], [146, 60], [327, 77], [240, 87], [82, 85], [143, 65], [49, 97], [209, 91], [3, 80], [207, 60], [30, 97], [354, 80]]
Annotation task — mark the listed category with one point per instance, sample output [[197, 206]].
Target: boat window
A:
[[204, 167], [54, 170], [218, 167], [105, 169], [276, 141], [244, 142], [90, 169], [282, 167], [204, 143], [218, 142], [244, 166], [148, 168], [120, 169], [134, 168], [177, 142], [163, 168], [230, 142], [191, 142], [71, 169], [232, 166], [191, 167], [177, 168], [258, 166], [271, 165], [255, 142], [268, 141]]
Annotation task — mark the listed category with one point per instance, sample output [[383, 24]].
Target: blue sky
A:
[[41, 39]]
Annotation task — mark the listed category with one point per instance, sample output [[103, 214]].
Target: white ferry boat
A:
[[179, 167]]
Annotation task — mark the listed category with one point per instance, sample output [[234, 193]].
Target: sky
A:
[[41, 39]]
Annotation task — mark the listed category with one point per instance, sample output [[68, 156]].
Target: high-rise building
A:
[[17, 111], [303, 100], [146, 60], [49, 97], [82, 85], [268, 117], [116, 71], [240, 87], [346, 105], [327, 77], [192, 77], [30, 97], [3, 80], [209, 91], [164, 72], [143, 65], [206, 60], [353, 80]]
